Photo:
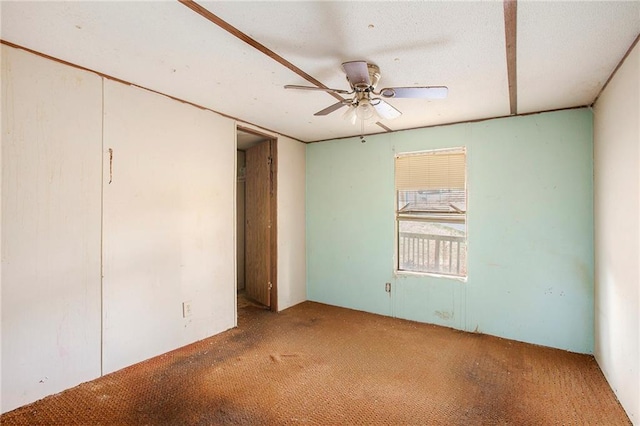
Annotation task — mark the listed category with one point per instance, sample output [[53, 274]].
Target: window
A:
[[431, 212]]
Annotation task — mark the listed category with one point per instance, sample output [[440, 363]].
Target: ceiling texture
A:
[[234, 57]]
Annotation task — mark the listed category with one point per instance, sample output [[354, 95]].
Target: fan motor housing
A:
[[374, 77], [374, 74]]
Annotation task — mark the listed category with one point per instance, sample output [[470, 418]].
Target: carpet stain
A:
[[319, 364]]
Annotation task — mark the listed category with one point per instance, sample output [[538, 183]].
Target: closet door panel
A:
[[51, 177], [168, 227]]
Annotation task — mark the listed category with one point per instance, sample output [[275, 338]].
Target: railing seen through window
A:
[[431, 209]]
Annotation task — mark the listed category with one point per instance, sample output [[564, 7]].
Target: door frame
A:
[[273, 210]]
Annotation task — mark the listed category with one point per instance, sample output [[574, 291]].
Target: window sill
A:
[[400, 274]]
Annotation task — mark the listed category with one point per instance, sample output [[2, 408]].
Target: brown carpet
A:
[[318, 364]]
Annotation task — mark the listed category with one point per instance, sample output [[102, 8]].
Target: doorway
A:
[[256, 218]]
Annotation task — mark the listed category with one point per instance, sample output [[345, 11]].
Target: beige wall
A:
[[168, 234], [292, 270], [617, 233], [51, 179], [164, 229]]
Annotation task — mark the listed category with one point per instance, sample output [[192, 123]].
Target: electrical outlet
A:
[[387, 287], [186, 309]]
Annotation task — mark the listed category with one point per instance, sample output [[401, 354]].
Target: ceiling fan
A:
[[366, 102]]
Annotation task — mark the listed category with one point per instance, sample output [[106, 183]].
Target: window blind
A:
[[431, 171]]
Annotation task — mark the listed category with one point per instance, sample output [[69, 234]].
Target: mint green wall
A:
[[530, 229]]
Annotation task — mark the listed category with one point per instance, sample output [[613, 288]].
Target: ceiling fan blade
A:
[[330, 109], [426, 92], [357, 73], [385, 110], [293, 86]]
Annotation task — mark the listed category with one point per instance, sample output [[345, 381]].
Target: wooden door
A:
[[260, 223]]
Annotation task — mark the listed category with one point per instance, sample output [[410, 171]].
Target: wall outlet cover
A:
[[186, 309]]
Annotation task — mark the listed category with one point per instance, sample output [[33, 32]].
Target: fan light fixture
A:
[[365, 110], [350, 115]]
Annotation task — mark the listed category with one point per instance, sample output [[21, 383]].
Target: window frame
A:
[[432, 217]]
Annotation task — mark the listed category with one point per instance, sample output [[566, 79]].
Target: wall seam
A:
[[102, 236]]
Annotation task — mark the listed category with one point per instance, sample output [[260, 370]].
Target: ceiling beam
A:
[[510, 27], [259, 46], [253, 43]]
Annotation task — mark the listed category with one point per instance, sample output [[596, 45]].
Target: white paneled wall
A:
[[617, 233], [156, 217], [165, 226], [51, 177], [168, 224], [292, 268]]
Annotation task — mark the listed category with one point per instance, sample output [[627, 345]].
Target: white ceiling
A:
[[565, 53]]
